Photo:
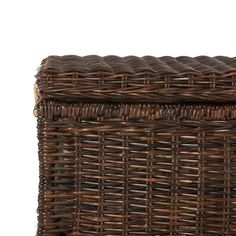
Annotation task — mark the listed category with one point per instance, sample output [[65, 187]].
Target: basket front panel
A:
[[137, 169]]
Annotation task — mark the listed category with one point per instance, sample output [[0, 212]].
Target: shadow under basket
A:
[[136, 145]]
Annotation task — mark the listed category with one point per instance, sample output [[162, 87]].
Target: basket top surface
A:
[[137, 79], [113, 65]]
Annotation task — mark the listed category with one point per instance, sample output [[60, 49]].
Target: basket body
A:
[[119, 161]]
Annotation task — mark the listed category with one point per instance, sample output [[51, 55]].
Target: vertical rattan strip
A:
[[173, 216], [77, 151], [101, 170], [79, 179], [150, 179], [226, 203], [200, 185], [232, 218], [125, 161], [42, 218], [176, 208]]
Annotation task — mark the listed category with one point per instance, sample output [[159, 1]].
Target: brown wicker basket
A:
[[137, 145]]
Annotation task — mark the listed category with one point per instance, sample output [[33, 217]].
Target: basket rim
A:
[[94, 65], [137, 79]]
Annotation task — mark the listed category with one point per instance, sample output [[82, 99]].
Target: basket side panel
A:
[[137, 170]]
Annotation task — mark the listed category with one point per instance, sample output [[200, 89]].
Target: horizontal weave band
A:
[[86, 111], [97, 65], [137, 79]]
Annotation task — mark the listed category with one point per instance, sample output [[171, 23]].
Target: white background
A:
[[31, 30]]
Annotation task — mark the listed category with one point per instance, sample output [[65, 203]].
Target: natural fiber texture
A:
[[147, 79], [129, 166]]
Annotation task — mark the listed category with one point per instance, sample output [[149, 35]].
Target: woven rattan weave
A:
[[137, 145]]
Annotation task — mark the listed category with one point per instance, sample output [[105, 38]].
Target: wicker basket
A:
[[137, 145]]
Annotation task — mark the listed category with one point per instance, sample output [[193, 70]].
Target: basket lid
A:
[[137, 79]]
